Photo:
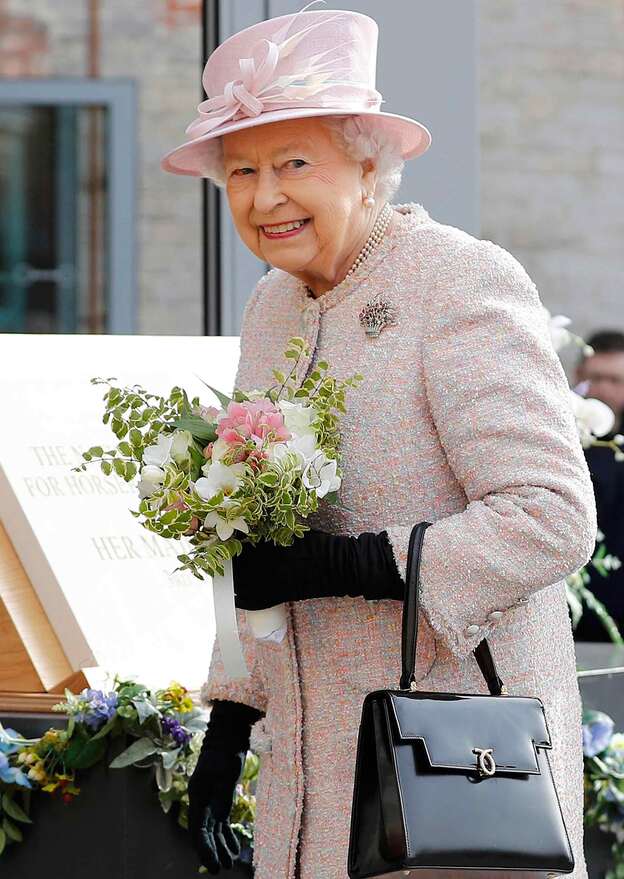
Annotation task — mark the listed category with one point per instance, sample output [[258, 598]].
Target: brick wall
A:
[[552, 140]]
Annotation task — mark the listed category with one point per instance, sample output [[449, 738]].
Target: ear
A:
[[369, 175]]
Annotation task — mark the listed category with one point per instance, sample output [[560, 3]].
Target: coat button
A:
[[495, 615], [472, 630]]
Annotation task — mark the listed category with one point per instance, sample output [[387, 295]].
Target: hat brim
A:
[[412, 137]]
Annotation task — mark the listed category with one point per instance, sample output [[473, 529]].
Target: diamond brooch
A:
[[377, 314]]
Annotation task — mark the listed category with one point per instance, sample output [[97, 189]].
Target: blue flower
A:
[[597, 732], [11, 774], [173, 726], [6, 747], [98, 708]]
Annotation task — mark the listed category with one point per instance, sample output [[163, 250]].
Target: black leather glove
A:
[[317, 565], [213, 783]]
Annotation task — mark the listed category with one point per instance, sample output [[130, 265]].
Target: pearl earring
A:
[[369, 201]]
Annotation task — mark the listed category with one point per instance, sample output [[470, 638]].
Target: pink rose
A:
[[252, 420]]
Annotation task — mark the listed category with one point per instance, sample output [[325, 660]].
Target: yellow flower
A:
[[186, 704], [52, 735], [177, 690]]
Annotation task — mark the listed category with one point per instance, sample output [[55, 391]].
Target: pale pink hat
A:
[[318, 63]]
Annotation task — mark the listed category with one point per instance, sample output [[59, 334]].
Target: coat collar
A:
[[411, 214]]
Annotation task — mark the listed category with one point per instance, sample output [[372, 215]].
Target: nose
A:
[[268, 193]]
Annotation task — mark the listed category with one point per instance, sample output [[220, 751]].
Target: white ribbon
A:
[[269, 624], [225, 622]]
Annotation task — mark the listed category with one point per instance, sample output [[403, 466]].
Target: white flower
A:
[[219, 448], [611, 562], [224, 527], [159, 454], [560, 337], [320, 474], [599, 536], [298, 418], [618, 439], [219, 477], [182, 441], [303, 447], [593, 417], [152, 477]]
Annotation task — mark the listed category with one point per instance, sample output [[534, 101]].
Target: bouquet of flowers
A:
[[252, 469]]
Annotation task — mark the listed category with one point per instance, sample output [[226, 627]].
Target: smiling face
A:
[[293, 170]]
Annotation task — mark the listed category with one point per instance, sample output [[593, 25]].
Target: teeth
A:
[[285, 227]]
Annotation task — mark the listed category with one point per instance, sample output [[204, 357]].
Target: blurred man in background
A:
[[604, 372]]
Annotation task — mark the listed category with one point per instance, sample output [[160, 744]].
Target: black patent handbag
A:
[[453, 781]]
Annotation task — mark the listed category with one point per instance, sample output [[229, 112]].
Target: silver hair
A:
[[360, 136]]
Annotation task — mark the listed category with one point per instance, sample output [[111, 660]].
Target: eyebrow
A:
[[294, 145]]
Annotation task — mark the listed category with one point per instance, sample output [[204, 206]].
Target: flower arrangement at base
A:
[[603, 751], [166, 728]]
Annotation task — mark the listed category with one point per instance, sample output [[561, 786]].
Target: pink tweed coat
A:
[[462, 420]]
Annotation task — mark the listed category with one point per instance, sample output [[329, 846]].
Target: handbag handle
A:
[[409, 635]]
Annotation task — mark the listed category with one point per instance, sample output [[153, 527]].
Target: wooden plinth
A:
[[34, 669]]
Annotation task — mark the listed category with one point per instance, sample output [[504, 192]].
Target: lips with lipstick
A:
[[285, 230]]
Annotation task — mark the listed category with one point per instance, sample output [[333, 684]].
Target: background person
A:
[[604, 371]]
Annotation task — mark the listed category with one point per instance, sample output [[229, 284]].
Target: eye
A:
[[236, 170], [303, 162]]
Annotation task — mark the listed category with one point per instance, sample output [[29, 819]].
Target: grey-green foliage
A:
[[137, 417]]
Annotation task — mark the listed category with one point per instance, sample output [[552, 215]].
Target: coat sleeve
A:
[[499, 399], [218, 685]]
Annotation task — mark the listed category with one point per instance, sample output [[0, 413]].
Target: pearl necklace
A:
[[376, 236]]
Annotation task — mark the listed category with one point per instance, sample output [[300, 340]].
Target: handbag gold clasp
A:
[[485, 761]]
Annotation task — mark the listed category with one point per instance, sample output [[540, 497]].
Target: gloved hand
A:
[[317, 565], [213, 782]]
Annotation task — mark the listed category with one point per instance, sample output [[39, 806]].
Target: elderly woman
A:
[[462, 420]]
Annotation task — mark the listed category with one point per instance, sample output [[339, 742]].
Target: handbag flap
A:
[[452, 725]]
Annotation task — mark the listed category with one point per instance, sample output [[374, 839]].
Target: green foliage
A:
[[83, 751], [580, 597], [137, 417]]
